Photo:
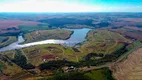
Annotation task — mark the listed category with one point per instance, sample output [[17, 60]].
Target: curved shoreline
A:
[[53, 34], [74, 39]]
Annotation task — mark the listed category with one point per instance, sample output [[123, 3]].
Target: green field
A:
[[100, 74], [1, 66]]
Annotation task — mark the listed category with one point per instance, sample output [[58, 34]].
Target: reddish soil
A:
[[47, 57], [129, 69], [124, 23], [131, 23], [134, 34], [131, 19], [15, 23], [133, 28]]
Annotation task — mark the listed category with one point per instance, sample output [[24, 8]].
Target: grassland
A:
[[100, 74], [10, 27], [98, 42], [8, 67], [100, 47], [35, 54], [104, 41], [130, 33], [1, 66], [47, 34], [6, 40]]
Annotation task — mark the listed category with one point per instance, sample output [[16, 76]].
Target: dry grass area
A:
[[131, 19], [129, 23], [7, 67], [129, 69], [133, 28], [129, 33], [103, 41], [15, 23], [5, 24]]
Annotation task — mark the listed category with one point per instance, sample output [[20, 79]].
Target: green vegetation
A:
[[95, 51], [7, 67], [6, 40], [21, 60], [60, 22], [69, 50], [103, 41], [47, 34], [25, 29], [1, 66], [100, 74], [69, 76], [106, 47], [106, 58], [130, 48], [35, 54], [54, 65], [119, 36]]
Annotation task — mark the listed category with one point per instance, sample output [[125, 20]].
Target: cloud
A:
[[61, 6], [47, 6]]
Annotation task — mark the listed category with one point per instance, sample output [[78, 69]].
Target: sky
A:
[[70, 5]]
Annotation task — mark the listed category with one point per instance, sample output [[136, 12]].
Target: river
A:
[[77, 37]]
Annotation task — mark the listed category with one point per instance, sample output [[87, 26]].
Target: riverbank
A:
[[78, 36], [7, 40], [91, 55], [58, 34]]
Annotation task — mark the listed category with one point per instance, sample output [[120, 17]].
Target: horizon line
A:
[[75, 12]]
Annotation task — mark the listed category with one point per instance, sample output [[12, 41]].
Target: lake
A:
[[78, 36]]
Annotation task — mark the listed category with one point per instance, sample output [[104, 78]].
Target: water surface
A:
[[77, 37]]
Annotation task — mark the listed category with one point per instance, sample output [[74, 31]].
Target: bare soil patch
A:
[[129, 69]]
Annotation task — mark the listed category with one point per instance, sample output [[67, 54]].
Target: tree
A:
[[21, 60]]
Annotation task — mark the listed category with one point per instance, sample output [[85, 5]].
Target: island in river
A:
[[71, 35], [51, 55], [43, 52]]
